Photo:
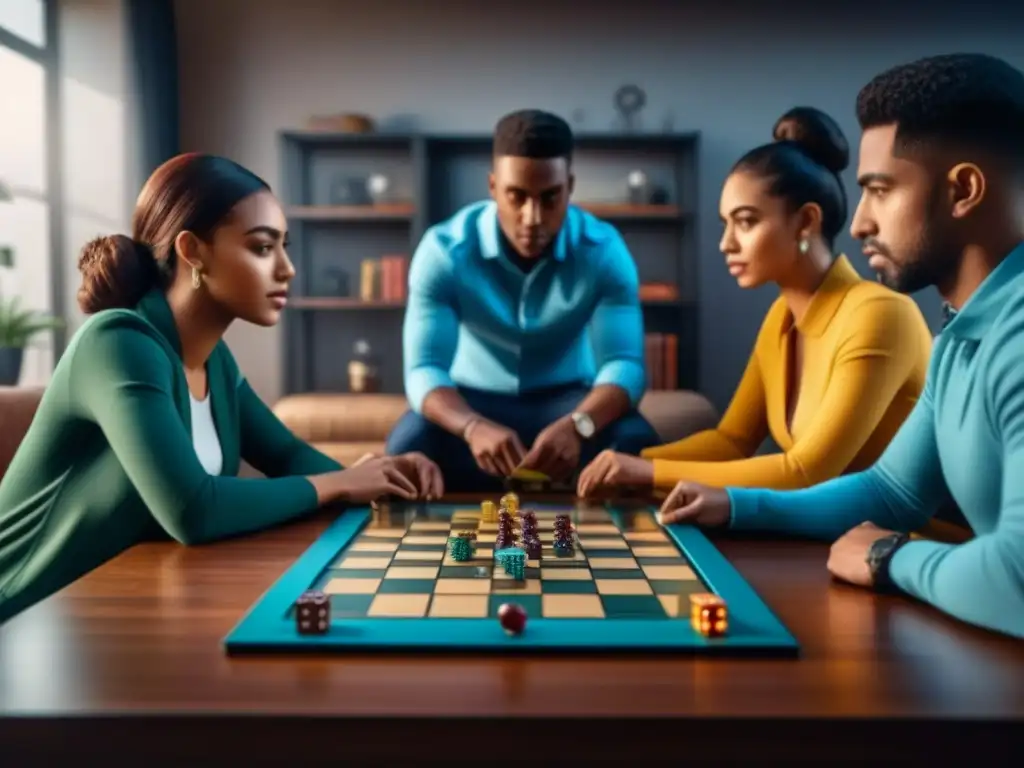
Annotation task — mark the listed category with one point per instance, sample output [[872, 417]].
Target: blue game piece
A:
[[513, 560]]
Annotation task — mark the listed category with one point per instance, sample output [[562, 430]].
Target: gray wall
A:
[[252, 67]]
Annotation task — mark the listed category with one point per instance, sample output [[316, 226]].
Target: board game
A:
[[419, 577]]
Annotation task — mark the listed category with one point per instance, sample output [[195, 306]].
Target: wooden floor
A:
[[129, 660]]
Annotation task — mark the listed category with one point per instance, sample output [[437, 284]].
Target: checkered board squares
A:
[[624, 567], [393, 586]]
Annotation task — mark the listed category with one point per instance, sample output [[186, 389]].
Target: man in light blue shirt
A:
[[942, 169], [523, 340]]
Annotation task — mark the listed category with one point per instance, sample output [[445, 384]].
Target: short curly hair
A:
[[966, 100], [533, 133]]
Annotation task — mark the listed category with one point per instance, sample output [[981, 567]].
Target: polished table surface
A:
[[142, 635]]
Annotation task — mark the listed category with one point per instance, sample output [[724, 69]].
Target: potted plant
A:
[[17, 328]]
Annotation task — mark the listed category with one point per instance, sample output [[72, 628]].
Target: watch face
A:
[[584, 425]]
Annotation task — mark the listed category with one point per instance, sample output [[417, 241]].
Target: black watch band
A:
[[880, 555]]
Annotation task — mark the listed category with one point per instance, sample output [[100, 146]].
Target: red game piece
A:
[[512, 617]]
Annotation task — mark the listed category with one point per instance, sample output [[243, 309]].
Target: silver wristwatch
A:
[[584, 425]]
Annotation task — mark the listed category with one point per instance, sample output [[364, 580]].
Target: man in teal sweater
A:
[[942, 172]]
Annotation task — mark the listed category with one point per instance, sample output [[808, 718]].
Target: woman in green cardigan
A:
[[142, 428]]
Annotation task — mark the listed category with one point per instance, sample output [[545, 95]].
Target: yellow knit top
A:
[[865, 354]]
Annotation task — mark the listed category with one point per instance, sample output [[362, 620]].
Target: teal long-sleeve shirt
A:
[[964, 438], [109, 460]]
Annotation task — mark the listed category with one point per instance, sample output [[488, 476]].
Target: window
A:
[[25, 19], [25, 196]]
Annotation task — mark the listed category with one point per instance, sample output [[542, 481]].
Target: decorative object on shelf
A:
[[363, 371], [629, 100], [349, 190], [658, 196], [337, 282], [639, 190], [377, 188], [348, 122]]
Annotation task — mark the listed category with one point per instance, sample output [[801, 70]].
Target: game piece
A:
[[708, 614], [512, 618], [488, 512], [563, 547], [511, 502], [528, 522], [406, 582], [529, 474], [460, 547], [312, 613], [563, 529], [533, 548], [506, 535], [513, 560]]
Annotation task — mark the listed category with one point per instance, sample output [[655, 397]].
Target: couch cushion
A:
[[349, 418], [18, 407], [355, 418]]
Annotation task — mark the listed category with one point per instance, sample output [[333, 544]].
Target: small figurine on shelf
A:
[[639, 188], [377, 187], [363, 372]]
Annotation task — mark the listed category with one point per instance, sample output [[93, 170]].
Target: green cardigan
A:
[[109, 460]]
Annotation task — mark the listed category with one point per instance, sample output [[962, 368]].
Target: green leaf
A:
[[18, 326]]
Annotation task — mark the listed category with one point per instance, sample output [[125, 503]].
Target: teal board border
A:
[[269, 629]]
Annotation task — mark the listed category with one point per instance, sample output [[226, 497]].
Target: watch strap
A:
[[880, 556]]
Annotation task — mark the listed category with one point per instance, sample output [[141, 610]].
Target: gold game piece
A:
[[511, 502], [489, 512]]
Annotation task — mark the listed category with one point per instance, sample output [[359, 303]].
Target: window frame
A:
[[48, 56]]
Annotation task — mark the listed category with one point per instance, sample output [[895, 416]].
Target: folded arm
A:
[[982, 581], [900, 492], [869, 370], [122, 377]]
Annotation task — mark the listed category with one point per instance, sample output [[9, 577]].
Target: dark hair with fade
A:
[[533, 133], [971, 100]]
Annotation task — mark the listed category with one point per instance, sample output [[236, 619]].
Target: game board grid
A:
[[401, 569]]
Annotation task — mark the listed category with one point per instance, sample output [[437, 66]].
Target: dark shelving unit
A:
[[335, 225]]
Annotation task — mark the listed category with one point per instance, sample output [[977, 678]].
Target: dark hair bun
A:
[[116, 273], [817, 135]]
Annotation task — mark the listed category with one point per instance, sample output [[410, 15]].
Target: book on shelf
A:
[[661, 351], [658, 292], [384, 279]]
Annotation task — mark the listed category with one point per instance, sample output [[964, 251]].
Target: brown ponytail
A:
[[116, 273], [189, 193]]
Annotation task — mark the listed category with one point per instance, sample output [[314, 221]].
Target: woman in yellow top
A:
[[839, 361]]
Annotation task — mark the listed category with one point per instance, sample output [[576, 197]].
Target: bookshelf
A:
[[352, 239]]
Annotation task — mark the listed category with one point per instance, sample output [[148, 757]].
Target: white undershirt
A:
[[204, 435]]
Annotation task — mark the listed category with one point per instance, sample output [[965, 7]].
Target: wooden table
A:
[[141, 636]]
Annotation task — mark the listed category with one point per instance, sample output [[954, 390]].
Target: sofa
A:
[[346, 426], [17, 409]]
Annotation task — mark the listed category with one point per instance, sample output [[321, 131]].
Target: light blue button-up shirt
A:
[[474, 319]]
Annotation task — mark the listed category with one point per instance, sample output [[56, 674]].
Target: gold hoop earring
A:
[[197, 278], [804, 245]]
